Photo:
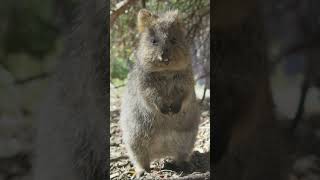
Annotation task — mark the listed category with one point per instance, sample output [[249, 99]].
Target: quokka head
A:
[[163, 45]]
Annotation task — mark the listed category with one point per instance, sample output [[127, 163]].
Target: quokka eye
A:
[[153, 40], [173, 40]]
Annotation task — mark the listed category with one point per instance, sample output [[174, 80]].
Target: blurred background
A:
[[293, 29], [30, 39]]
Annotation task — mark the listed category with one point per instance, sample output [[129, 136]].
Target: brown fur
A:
[[167, 32], [159, 112]]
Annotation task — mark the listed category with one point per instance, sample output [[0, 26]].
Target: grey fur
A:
[[159, 111]]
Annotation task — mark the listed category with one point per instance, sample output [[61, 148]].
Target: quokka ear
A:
[[145, 19], [178, 21], [178, 17]]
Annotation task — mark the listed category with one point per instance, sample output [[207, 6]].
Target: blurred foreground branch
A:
[[297, 48], [32, 78]]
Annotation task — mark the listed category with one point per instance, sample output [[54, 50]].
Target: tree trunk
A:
[[244, 126]]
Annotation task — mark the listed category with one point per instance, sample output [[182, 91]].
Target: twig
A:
[[204, 94], [120, 9], [143, 3], [118, 158], [124, 173], [202, 176], [121, 85], [195, 26], [297, 48], [167, 170], [203, 76]]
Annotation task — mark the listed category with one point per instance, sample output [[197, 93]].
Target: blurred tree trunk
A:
[[73, 121], [143, 3], [243, 106], [308, 22]]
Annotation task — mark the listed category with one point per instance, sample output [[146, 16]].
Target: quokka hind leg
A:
[[140, 160], [182, 158], [184, 152]]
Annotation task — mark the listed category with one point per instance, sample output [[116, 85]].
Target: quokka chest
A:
[[167, 92], [166, 86]]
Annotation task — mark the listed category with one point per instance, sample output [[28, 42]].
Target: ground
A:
[[16, 145], [121, 168]]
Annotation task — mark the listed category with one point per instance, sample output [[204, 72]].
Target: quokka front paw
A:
[[175, 107], [165, 109], [172, 108]]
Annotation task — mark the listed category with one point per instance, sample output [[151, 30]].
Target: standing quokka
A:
[[159, 112]]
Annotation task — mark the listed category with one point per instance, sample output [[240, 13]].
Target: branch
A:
[[203, 76], [120, 9], [116, 87], [118, 158], [143, 3], [297, 48], [194, 28], [202, 176]]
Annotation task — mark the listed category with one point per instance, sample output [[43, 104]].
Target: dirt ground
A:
[[121, 168], [306, 165]]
